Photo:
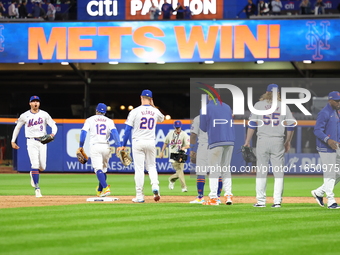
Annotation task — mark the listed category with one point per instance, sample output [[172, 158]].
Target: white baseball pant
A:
[[219, 159], [144, 156], [37, 153], [100, 155]]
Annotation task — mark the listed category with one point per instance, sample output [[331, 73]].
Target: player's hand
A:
[[151, 103], [120, 149], [287, 146], [333, 144], [193, 157], [161, 155], [14, 145], [246, 144]]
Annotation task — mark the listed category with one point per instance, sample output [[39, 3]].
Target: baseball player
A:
[[327, 132], [221, 140], [177, 140], [35, 121], [142, 122], [270, 144], [199, 154], [100, 129]]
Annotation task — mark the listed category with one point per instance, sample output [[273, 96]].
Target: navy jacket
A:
[[218, 124], [327, 127]]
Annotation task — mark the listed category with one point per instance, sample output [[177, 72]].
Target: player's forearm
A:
[[164, 146], [289, 136], [15, 133], [250, 133]]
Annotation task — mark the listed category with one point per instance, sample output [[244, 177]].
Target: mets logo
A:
[[317, 40], [210, 94], [2, 39]]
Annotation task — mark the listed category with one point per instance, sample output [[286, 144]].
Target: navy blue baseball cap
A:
[[271, 86], [146, 93], [101, 108], [177, 124], [34, 98], [334, 95]]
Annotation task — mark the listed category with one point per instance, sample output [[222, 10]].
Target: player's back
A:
[[272, 125], [143, 120], [99, 127]]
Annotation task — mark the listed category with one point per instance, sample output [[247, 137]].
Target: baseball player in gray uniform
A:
[[142, 122], [197, 136], [35, 121], [100, 129], [270, 145]]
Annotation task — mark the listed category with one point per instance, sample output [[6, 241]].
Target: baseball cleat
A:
[[185, 190], [334, 206], [106, 191], [156, 195], [197, 201], [258, 205], [138, 200], [211, 201], [98, 192], [276, 206], [38, 193], [228, 200], [32, 182], [171, 185], [318, 199]]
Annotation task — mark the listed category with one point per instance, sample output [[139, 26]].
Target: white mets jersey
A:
[[177, 141], [35, 124], [271, 125], [143, 120], [99, 128], [202, 137]]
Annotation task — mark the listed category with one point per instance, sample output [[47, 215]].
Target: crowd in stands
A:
[[182, 12], [35, 9], [274, 7]]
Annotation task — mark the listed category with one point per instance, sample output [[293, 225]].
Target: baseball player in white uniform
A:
[[100, 129], [270, 145], [177, 140], [35, 121], [142, 122]]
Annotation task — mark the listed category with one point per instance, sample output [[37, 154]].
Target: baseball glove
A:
[[46, 139], [248, 154], [125, 158], [81, 156]]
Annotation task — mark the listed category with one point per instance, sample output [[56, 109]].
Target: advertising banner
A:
[[187, 41]]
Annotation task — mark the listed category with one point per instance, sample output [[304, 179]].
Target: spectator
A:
[[249, 9], [12, 13], [50, 11], [167, 10], [187, 12], [154, 12], [319, 7], [263, 8], [38, 11], [276, 7], [305, 7], [180, 11], [2, 10], [22, 10]]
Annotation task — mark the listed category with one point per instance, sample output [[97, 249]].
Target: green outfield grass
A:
[[160, 228], [123, 184]]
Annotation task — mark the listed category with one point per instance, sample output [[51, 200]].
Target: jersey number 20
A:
[[146, 123]]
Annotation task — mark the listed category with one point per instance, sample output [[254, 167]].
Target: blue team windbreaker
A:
[[218, 124], [327, 127]]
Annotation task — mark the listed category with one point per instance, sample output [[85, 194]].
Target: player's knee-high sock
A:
[[220, 185], [200, 185], [35, 177], [100, 186], [101, 178]]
